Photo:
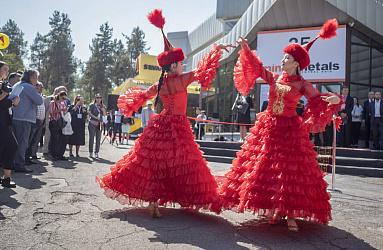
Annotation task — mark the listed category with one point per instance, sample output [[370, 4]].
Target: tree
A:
[[16, 51], [60, 65], [120, 69], [136, 45], [38, 58], [96, 76], [111, 63]]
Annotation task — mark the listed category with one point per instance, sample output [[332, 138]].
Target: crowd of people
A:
[[29, 120]]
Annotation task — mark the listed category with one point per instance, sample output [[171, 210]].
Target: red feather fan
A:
[[155, 17]]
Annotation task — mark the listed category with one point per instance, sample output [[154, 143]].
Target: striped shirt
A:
[[54, 110], [40, 112]]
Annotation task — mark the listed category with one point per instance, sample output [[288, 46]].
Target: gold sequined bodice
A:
[[283, 98]]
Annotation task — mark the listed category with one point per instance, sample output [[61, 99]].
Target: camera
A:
[[5, 87]]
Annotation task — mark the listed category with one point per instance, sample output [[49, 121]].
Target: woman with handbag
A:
[[96, 111], [57, 143]]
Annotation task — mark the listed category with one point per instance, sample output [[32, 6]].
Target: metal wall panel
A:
[[231, 9]]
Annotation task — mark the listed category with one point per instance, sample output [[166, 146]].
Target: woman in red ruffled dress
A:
[[276, 173], [166, 165]]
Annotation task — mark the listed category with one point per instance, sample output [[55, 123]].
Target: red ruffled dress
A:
[[165, 163], [276, 171]]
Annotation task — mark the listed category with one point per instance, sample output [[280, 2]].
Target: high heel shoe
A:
[[292, 225], [153, 210]]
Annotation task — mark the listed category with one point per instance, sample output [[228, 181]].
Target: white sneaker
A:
[[96, 155]]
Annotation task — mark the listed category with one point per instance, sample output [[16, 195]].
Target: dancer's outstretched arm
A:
[[320, 109], [134, 98], [205, 72], [248, 68]]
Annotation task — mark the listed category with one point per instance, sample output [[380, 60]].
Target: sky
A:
[[32, 16]]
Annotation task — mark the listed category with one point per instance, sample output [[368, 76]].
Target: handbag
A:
[[67, 129], [59, 123]]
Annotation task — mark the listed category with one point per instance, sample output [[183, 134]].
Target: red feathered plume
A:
[[155, 17], [329, 29]]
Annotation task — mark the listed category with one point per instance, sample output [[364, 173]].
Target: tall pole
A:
[[333, 154]]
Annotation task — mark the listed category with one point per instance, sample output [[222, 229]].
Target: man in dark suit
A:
[[376, 112], [345, 113], [367, 116]]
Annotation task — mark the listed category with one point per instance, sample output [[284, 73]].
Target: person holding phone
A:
[[79, 114], [96, 111]]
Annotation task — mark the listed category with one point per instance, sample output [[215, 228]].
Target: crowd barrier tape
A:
[[218, 122]]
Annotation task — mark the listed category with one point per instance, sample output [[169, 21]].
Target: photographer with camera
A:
[[242, 105], [8, 145]]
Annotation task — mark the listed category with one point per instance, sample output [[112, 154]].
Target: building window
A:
[[366, 65]]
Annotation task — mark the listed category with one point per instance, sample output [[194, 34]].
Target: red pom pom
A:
[[329, 29], [155, 17]]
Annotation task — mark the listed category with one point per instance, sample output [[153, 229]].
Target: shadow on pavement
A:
[[7, 200], [81, 159], [179, 226], [104, 161], [27, 181], [310, 235], [64, 164]]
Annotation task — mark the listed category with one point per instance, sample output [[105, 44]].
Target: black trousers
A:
[[8, 148], [117, 129], [368, 131], [58, 141], [355, 131], [377, 132]]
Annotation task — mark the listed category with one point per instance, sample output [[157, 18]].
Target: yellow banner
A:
[[148, 73], [148, 69]]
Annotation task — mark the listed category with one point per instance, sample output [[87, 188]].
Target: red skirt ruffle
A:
[[276, 171], [165, 164]]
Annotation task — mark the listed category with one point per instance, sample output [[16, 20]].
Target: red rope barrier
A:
[[217, 122]]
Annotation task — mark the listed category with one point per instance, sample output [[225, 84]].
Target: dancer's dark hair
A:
[[165, 69]]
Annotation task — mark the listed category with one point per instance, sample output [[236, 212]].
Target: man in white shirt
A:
[[117, 126], [376, 112], [146, 114], [200, 126]]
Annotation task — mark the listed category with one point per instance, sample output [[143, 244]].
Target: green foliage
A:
[[13, 61], [17, 48], [111, 63], [52, 54]]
